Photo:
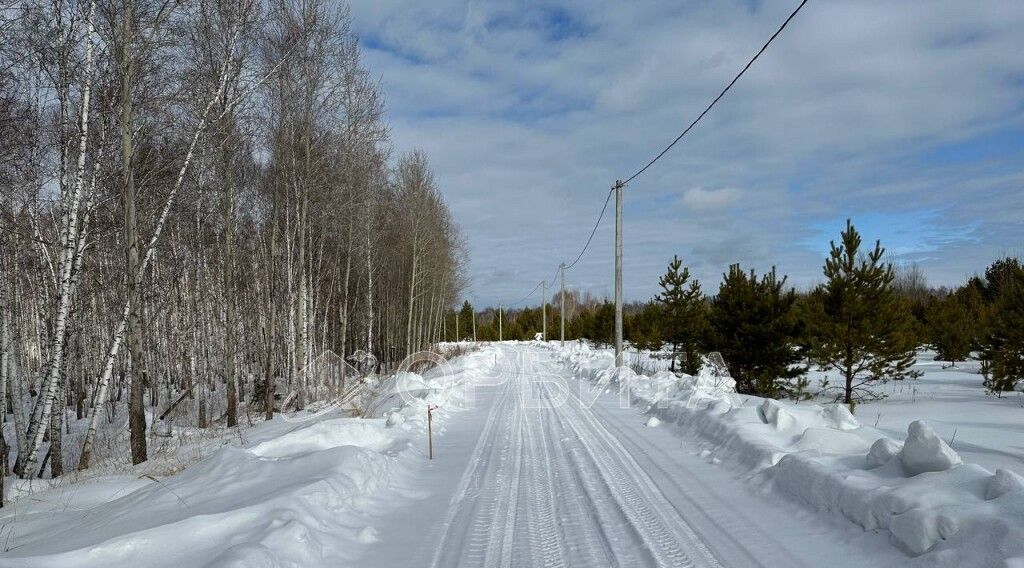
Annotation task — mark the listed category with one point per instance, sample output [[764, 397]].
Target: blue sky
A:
[[907, 117]]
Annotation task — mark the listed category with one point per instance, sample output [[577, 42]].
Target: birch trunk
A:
[[119, 333], [69, 242]]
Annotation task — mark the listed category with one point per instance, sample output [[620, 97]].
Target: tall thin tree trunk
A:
[[272, 325], [5, 354], [69, 242], [230, 320]]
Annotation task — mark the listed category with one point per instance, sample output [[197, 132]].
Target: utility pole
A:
[[544, 308], [457, 338], [561, 302], [618, 273], [474, 325], [499, 322]]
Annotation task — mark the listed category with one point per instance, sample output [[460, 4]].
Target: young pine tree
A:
[[753, 326], [950, 328], [685, 322], [602, 326], [858, 325], [466, 316], [645, 327], [1004, 349]]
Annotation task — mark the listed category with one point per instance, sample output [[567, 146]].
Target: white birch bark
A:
[[119, 333], [69, 243]]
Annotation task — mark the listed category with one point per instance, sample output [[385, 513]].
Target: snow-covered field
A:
[[984, 429], [955, 506], [537, 464]]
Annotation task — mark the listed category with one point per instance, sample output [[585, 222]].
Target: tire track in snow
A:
[[552, 487]]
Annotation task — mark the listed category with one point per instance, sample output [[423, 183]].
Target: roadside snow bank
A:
[[935, 507], [278, 500]]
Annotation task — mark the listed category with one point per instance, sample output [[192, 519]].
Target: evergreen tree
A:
[[858, 325], [972, 297], [602, 325], [685, 321], [950, 328], [1005, 344], [645, 327], [753, 327], [1000, 273], [466, 321]]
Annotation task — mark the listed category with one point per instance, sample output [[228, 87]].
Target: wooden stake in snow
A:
[[430, 431]]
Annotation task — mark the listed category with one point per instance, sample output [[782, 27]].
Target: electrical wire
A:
[[593, 231], [675, 141], [526, 297], [578, 257], [720, 95]]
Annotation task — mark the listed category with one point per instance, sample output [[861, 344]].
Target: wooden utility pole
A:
[[561, 303], [474, 324], [544, 309], [499, 322], [618, 273]]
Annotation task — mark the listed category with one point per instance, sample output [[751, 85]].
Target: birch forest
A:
[[198, 200]]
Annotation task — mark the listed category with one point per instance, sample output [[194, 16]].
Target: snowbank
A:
[[936, 508], [276, 500]]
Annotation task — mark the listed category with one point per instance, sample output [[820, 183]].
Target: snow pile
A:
[[1004, 482], [882, 452], [936, 508], [278, 500], [924, 451]]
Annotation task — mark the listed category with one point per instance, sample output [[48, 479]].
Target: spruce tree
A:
[[685, 322], [950, 328], [1005, 345], [753, 326], [858, 325]]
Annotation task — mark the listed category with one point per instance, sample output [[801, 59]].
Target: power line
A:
[[593, 231], [578, 257], [524, 298], [706, 110], [720, 95]]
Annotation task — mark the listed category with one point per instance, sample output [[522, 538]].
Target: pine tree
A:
[[999, 274], [465, 321], [645, 327], [857, 323], [950, 328], [685, 321], [753, 326], [602, 325], [1005, 343]]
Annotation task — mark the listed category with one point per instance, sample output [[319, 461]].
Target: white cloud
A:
[[700, 198], [527, 132]]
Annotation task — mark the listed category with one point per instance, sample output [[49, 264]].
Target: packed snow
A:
[[279, 499], [937, 508], [531, 473]]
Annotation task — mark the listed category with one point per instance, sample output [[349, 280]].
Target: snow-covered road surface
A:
[[537, 475], [533, 467]]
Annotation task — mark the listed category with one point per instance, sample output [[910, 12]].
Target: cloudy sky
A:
[[907, 117]]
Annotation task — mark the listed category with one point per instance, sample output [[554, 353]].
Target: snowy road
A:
[[554, 481]]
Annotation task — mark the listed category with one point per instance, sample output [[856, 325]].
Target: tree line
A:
[[198, 198], [865, 322]]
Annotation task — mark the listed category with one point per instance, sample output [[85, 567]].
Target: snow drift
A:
[[275, 501], [936, 508]]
